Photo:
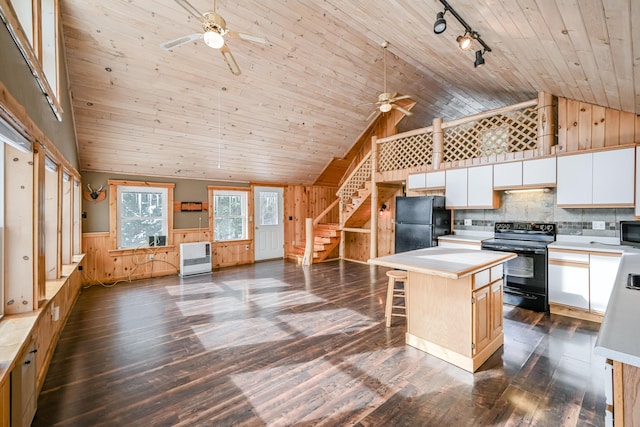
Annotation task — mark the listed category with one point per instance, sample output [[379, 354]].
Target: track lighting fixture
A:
[[441, 24], [479, 59], [465, 41]]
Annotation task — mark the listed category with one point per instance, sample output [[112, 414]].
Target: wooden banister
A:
[[325, 212]]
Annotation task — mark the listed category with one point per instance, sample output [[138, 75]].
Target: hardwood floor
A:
[[281, 345]]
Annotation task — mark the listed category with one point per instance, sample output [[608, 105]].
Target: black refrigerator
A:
[[419, 222]]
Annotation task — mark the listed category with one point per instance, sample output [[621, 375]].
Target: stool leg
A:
[[388, 307]]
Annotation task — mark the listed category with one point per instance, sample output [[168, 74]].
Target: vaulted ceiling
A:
[[142, 110]]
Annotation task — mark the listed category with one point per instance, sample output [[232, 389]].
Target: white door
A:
[[269, 221]]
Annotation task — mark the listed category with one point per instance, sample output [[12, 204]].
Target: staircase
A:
[[326, 237], [357, 212]]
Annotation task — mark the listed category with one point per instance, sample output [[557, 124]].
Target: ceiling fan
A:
[[214, 30], [386, 100]]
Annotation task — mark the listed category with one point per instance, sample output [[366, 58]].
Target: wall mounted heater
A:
[[195, 258]]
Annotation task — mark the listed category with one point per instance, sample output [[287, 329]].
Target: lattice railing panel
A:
[[405, 153], [503, 133], [356, 181]]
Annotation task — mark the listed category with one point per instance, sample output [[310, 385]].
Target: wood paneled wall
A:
[[583, 126], [356, 245], [301, 202], [106, 266]]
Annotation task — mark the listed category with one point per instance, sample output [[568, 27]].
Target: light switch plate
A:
[[468, 222], [597, 225]]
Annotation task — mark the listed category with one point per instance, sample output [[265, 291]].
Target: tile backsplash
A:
[[541, 207]]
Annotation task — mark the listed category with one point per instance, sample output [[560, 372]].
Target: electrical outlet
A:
[[597, 225], [151, 256], [468, 222]]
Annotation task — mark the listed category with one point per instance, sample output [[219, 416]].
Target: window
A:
[[51, 213], [142, 213], [34, 27], [268, 208], [229, 215]]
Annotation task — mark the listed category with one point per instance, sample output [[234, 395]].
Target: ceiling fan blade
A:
[[230, 60], [398, 98], [402, 110], [189, 8], [249, 37], [180, 41]]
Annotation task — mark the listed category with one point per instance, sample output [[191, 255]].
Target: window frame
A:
[[31, 47], [114, 209], [247, 195]]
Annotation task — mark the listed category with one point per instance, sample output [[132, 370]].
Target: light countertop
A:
[[588, 243], [467, 236], [451, 263], [618, 338]]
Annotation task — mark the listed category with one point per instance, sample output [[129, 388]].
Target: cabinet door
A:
[[496, 308], [575, 177], [613, 177], [638, 181], [539, 172], [481, 319], [416, 181], [507, 175], [602, 274], [480, 187], [569, 284], [435, 179], [456, 188]]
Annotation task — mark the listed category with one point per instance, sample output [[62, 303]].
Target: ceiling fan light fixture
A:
[[213, 39], [479, 59], [464, 42], [385, 107], [441, 24]]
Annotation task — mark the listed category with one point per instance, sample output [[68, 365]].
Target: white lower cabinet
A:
[[602, 275], [569, 283], [581, 279]]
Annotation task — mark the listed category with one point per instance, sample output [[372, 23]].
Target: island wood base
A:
[[456, 320], [470, 364]]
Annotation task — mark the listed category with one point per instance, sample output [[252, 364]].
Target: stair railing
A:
[[356, 180]]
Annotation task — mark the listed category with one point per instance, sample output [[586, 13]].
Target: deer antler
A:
[[99, 189], [89, 187]]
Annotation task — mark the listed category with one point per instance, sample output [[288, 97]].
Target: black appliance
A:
[[419, 222], [630, 233], [525, 277]]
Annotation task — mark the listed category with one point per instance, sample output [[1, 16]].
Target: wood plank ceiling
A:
[[297, 104]]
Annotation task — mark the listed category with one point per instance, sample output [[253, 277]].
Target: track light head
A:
[[479, 59], [441, 24], [464, 42]]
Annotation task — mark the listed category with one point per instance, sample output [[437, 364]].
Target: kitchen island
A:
[[619, 342], [453, 302]]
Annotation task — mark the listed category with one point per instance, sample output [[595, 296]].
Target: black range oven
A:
[[525, 277]]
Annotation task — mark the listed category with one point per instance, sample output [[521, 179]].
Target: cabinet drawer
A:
[[481, 278], [572, 256], [497, 272]]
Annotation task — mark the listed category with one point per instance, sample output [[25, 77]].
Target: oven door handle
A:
[[519, 294]]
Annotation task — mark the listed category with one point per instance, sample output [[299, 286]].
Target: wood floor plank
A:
[[278, 344]]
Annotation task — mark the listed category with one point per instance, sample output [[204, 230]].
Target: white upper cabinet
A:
[[507, 175], [539, 172], [435, 179], [456, 188], [575, 177], [480, 187], [603, 178], [416, 181], [613, 177]]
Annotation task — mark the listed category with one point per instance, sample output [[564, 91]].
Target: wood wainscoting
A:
[[104, 265]]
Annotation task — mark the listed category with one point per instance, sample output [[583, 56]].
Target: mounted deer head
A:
[[95, 195]]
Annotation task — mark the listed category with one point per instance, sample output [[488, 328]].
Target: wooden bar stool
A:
[[395, 276]]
